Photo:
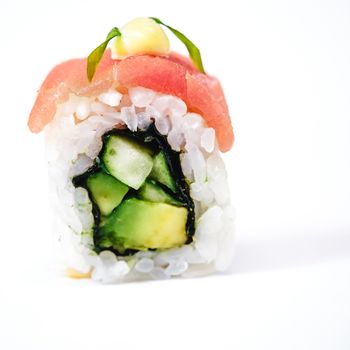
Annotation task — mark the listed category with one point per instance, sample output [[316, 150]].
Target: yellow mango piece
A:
[[141, 36]]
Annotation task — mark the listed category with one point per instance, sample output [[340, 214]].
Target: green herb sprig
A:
[[96, 55], [191, 47]]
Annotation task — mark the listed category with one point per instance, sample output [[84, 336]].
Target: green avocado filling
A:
[[140, 198]]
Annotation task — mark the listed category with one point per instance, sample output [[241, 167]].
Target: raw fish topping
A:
[[159, 70]]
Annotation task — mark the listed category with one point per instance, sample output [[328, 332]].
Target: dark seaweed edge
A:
[[157, 142]]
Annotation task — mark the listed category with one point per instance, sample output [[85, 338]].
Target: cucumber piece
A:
[[127, 160], [151, 192], [106, 191], [141, 225], [161, 173]]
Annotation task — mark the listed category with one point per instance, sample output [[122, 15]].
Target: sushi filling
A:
[[141, 200]]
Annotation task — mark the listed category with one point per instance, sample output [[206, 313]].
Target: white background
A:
[[285, 67]]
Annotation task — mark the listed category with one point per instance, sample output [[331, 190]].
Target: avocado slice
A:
[[161, 172], [142, 225], [107, 192]]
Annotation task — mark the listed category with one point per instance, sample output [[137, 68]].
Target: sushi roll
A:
[[134, 136]]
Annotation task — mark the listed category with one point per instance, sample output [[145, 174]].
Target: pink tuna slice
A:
[[173, 75]]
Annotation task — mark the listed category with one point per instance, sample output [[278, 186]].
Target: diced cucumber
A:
[[137, 224], [161, 173], [127, 160], [150, 191], [106, 191]]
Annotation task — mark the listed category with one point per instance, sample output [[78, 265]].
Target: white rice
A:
[[74, 141]]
